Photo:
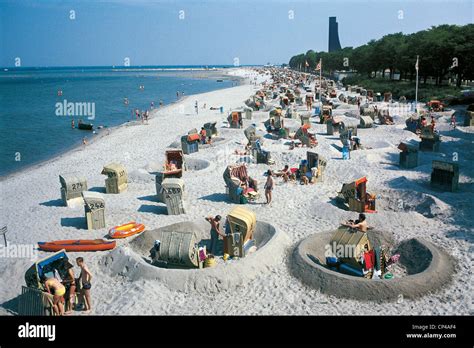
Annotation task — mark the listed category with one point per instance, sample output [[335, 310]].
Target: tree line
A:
[[444, 51]]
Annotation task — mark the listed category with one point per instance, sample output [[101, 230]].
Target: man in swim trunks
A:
[[54, 287], [85, 279], [215, 232], [360, 224]]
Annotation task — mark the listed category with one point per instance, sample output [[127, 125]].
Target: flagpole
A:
[[416, 88], [320, 77]]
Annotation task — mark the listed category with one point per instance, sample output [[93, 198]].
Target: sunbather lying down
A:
[[215, 108]]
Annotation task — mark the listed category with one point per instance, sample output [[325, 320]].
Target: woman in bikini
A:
[[54, 287], [269, 186]]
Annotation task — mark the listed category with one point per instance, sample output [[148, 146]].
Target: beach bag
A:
[[332, 261]]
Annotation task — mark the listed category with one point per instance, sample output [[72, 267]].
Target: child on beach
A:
[[269, 186], [85, 279], [453, 121]]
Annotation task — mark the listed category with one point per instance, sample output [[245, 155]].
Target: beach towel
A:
[[369, 260], [393, 259]]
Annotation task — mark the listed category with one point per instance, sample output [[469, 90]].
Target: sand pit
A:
[[428, 269], [134, 261], [195, 164], [406, 201]]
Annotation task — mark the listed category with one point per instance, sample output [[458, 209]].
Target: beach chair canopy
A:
[[242, 220], [446, 166], [354, 189], [178, 248], [235, 171], [57, 261], [408, 146], [72, 183], [275, 111], [115, 170], [175, 155], [250, 132], [93, 200], [351, 243], [315, 160]]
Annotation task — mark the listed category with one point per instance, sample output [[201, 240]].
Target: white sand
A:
[[32, 209]]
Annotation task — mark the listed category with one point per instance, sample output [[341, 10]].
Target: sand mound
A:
[[405, 201], [133, 262], [140, 176], [428, 269]]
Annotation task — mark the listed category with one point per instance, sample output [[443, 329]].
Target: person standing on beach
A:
[[161, 103], [196, 107], [177, 95], [85, 279], [152, 105], [84, 141], [70, 285], [54, 287], [269, 186], [215, 232]]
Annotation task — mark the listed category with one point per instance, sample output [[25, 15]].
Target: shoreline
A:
[[104, 132]]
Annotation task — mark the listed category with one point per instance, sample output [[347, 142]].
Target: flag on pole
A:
[[416, 65], [306, 63], [318, 67]]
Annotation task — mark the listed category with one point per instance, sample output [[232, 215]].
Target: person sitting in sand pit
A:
[[360, 224], [215, 232], [85, 279], [54, 287]]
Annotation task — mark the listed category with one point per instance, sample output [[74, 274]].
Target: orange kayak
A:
[[77, 245], [126, 230]]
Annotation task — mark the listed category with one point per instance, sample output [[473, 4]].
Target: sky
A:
[[43, 33]]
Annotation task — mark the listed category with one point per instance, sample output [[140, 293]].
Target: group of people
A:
[[204, 138], [143, 115], [65, 290]]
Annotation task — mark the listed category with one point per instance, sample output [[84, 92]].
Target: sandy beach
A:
[[407, 207]]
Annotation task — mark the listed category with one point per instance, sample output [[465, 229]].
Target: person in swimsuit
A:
[[85, 279], [54, 287], [215, 232], [70, 285], [360, 224], [269, 186]]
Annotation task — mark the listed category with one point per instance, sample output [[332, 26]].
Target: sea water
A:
[[35, 123]]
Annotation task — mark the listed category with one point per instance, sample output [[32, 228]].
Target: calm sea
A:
[[31, 129]]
